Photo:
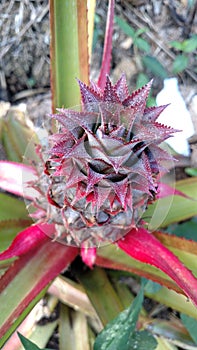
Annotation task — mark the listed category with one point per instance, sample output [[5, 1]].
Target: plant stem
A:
[[64, 53]]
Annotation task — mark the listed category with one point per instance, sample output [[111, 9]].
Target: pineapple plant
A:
[[94, 180]]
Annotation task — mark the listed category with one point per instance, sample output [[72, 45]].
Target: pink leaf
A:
[[152, 113], [138, 97], [88, 256], [15, 176], [101, 194], [165, 190], [121, 88], [75, 177], [26, 240], [52, 257], [143, 246], [120, 189], [93, 178], [106, 60], [109, 94], [89, 95]]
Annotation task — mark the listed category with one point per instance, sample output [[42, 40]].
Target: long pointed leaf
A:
[[112, 257], [176, 208], [14, 177], [28, 275], [143, 246], [165, 190], [91, 12], [82, 14], [7, 202], [21, 319], [101, 294], [17, 131], [72, 294], [186, 250], [105, 67], [27, 240], [9, 229], [174, 242], [31, 328], [173, 300]]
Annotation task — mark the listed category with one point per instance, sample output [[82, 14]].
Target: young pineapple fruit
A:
[[104, 164]]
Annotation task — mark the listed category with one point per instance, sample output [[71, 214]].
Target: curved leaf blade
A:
[[25, 279], [14, 176], [143, 246], [106, 60], [28, 345], [154, 66], [7, 202], [116, 334], [181, 208], [26, 240], [9, 230]]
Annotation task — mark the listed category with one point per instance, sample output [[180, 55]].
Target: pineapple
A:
[[103, 165]]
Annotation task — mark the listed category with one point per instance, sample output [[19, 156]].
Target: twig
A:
[[190, 21], [28, 93]]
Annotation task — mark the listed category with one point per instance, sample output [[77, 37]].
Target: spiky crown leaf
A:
[[104, 163]]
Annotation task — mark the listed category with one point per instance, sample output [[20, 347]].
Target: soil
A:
[[25, 40]]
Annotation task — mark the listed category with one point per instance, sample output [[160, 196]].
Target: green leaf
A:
[[164, 344], [187, 229], [120, 333], [190, 45], [142, 44], [151, 287], [191, 325], [142, 340], [126, 28], [66, 331], [151, 101], [154, 66], [180, 63], [173, 300], [16, 135], [9, 229], [24, 280], [177, 45], [170, 332], [41, 333], [180, 208], [191, 171], [28, 345], [142, 79], [105, 300], [140, 31], [12, 208]]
